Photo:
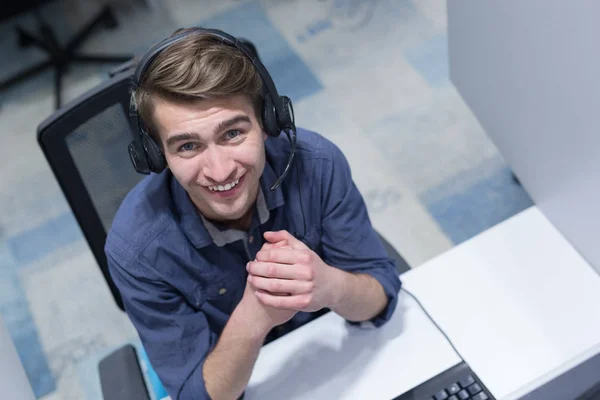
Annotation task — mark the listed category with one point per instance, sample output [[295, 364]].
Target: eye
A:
[[232, 134], [189, 146]]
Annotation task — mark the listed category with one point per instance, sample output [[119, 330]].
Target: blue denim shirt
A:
[[181, 277]]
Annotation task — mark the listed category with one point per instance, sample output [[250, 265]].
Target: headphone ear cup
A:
[[156, 158], [269, 118], [286, 121], [138, 158]]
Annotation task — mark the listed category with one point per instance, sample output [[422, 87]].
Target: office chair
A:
[[60, 57], [85, 144]]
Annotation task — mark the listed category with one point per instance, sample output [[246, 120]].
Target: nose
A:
[[219, 167]]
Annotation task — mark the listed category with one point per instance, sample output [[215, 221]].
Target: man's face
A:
[[215, 149]]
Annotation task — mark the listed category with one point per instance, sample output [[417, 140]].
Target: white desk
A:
[[329, 359], [518, 302]]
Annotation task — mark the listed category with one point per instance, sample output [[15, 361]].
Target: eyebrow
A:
[[222, 126], [231, 122], [182, 136]]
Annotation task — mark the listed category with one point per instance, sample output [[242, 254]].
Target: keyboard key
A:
[[474, 388], [453, 397], [453, 389], [441, 395], [463, 395], [480, 396], [469, 380]]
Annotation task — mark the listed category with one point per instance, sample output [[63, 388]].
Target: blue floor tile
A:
[[482, 205], [291, 75], [55, 233], [17, 317], [34, 360], [430, 59]]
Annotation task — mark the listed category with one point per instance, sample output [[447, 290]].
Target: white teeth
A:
[[222, 188]]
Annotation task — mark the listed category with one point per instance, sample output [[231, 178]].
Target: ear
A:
[[265, 136]]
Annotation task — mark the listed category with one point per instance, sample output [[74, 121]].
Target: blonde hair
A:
[[197, 67]]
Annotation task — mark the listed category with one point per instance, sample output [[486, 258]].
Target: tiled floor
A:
[[371, 75]]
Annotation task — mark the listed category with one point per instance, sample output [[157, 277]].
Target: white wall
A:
[[530, 72]]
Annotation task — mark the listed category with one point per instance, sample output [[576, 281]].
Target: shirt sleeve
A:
[[348, 239], [176, 337]]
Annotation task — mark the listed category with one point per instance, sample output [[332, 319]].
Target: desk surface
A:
[[517, 301], [330, 359]]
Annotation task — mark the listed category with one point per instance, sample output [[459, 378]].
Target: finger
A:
[[280, 286], [267, 246], [294, 302], [281, 271], [283, 255], [277, 236], [281, 244]]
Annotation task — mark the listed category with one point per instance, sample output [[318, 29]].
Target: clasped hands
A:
[[287, 274]]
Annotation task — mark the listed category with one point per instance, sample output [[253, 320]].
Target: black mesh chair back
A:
[[85, 144]]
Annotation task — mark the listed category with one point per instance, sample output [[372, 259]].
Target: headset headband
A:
[[224, 37]]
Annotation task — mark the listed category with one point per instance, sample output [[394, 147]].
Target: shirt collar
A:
[[202, 232], [221, 235]]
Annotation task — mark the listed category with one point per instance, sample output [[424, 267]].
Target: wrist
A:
[[340, 281], [253, 328]]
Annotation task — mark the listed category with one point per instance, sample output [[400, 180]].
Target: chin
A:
[[231, 216], [230, 213]]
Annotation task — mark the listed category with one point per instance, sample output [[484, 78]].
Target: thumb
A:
[[278, 236]]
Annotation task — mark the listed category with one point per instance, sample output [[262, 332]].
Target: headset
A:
[[277, 113]]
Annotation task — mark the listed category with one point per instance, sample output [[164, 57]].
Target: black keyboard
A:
[[456, 383]]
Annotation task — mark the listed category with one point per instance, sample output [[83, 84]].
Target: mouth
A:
[[227, 190]]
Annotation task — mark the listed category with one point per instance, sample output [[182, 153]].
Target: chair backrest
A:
[[85, 143]]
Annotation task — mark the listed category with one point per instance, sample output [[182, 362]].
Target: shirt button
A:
[[222, 291], [251, 239]]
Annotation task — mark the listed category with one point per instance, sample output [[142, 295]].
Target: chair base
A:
[[60, 57]]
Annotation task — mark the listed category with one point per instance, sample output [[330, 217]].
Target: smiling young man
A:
[[210, 261]]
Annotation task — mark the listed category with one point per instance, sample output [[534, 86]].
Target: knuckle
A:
[[310, 274], [271, 270], [305, 257], [305, 302]]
